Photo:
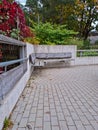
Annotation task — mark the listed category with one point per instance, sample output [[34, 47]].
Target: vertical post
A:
[[22, 55], [5, 68]]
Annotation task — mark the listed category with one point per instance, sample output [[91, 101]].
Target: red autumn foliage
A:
[[11, 16]]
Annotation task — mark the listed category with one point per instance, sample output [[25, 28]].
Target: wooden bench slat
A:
[[53, 55]]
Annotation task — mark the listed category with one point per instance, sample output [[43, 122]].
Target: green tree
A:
[[86, 13], [52, 34], [34, 8], [49, 10], [78, 15]]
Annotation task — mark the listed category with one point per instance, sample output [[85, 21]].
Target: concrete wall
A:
[[67, 48], [56, 49], [9, 102], [86, 60]]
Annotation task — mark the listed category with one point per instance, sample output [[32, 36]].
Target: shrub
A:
[[86, 44], [52, 34], [74, 41], [32, 40]]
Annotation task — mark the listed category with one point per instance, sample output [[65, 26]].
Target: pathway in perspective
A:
[[59, 99]]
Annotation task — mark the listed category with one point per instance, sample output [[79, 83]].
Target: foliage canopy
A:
[[50, 34], [12, 20], [78, 15]]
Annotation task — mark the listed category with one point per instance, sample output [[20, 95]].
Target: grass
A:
[[7, 124]]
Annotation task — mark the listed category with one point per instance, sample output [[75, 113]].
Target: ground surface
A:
[[59, 99]]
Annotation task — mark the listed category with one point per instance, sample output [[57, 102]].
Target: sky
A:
[[22, 1]]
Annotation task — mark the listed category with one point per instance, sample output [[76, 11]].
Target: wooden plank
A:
[[53, 55]]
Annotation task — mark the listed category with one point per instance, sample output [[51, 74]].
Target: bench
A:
[[41, 59]]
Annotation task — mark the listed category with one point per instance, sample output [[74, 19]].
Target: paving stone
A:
[[14, 116], [59, 99], [72, 127], [83, 109], [55, 128], [51, 100], [26, 113], [33, 110], [40, 106], [28, 107], [52, 105], [64, 106], [69, 121], [92, 112], [60, 116], [41, 101], [21, 111], [53, 112], [46, 110], [47, 126], [79, 125], [94, 124], [89, 116], [89, 127], [84, 120], [62, 100], [74, 116], [23, 122], [96, 118], [40, 113], [58, 109], [21, 129], [63, 125], [54, 121], [68, 103], [39, 122], [35, 104], [46, 117], [71, 108], [32, 117], [79, 112], [18, 118], [66, 112], [40, 128], [15, 127], [46, 104]]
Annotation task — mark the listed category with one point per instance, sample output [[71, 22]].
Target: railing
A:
[[87, 53], [7, 63], [10, 78], [13, 64]]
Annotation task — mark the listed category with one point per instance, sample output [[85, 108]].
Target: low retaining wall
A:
[[86, 60], [9, 102]]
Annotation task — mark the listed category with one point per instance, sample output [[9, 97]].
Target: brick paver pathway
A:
[[59, 99]]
